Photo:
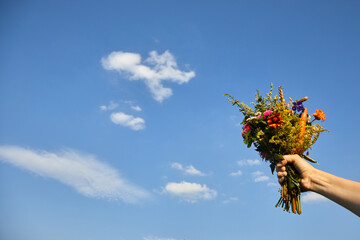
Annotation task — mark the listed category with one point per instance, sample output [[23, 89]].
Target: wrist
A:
[[317, 181], [310, 180]]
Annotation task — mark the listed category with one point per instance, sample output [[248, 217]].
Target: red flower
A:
[[275, 120]]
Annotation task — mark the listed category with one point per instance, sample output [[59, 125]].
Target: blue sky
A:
[[114, 125]]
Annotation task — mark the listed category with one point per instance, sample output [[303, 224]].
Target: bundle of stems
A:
[[290, 192]]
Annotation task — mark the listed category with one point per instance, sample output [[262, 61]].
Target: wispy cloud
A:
[[133, 105], [259, 176], [312, 197], [249, 162], [190, 192], [123, 119], [272, 184], [234, 174], [111, 106], [190, 170], [83, 172], [159, 68], [229, 200], [157, 238]]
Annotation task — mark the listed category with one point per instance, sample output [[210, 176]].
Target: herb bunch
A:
[[277, 128]]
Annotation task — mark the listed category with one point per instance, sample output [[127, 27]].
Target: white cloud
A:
[[157, 238], [190, 192], [128, 120], [190, 170], [272, 184], [234, 174], [259, 176], [83, 172], [312, 197], [133, 106], [193, 171], [136, 108], [249, 162], [111, 106], [177, 166], [162, 68]]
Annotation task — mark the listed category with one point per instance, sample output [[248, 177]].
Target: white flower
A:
[[251, 118]]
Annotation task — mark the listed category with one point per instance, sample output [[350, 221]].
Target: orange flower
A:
[[319, 115], [275, 120]]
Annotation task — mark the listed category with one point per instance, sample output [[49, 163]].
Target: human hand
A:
[[305, 170]]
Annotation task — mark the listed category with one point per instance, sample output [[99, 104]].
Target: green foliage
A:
[[270, 141], [243, 108], [275, 130]]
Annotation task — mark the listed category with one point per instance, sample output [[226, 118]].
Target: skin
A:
[[342, 191]]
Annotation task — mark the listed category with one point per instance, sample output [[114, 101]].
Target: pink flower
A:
[[258, 115], [267, 113], [245, 130]]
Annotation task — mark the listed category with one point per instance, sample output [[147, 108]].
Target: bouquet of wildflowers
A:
[[276, 128]]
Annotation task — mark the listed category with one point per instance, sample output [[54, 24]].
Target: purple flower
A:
[[245, 130], [298, 106], [267, 113]]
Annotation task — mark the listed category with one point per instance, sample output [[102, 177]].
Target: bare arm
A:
[[342, 191]]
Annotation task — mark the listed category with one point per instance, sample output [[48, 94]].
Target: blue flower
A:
[[298, 106]]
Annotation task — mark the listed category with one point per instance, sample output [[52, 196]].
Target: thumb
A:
[[290, 158]]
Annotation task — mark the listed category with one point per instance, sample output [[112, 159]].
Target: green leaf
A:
[[308, 158], [278, 157], [272, 166]]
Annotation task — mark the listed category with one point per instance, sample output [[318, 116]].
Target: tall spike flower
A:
[[281, 95], [304, 99]]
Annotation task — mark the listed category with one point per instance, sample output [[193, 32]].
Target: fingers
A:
[[282, 174], [281, 166], [300, 165], [281, 171], [281, 180]]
